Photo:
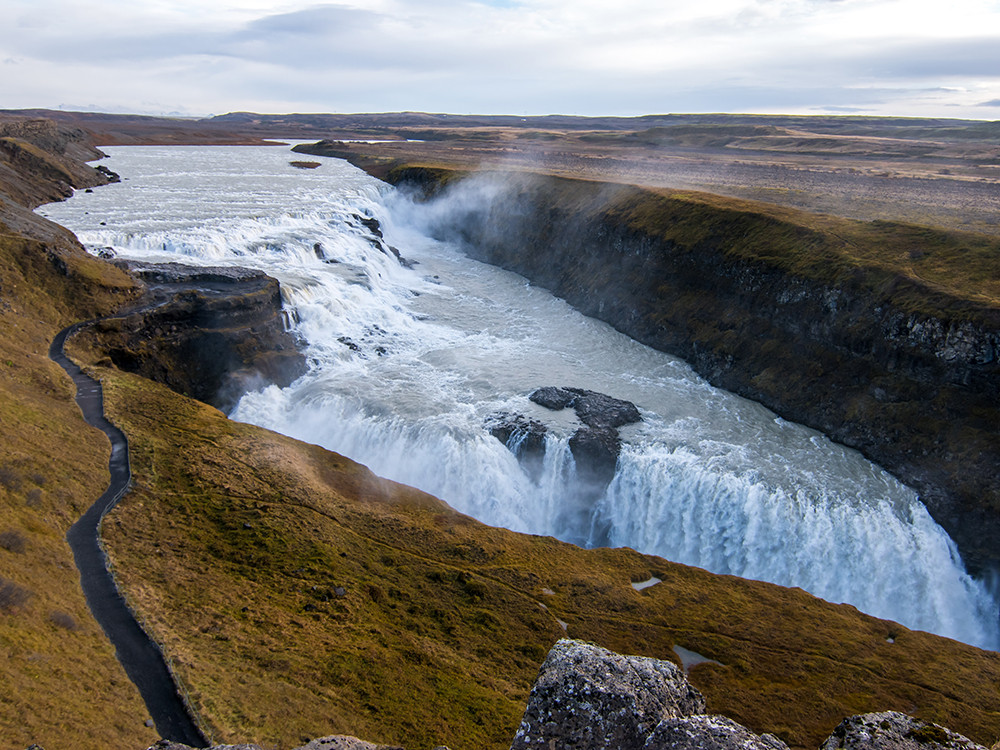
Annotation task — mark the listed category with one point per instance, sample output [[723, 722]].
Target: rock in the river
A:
[[552, 398], [589, 698], [594, 409], [708, 733], [524, 437], [595, 450], [595, 447], [603, 412], [371, 224], [890, 730]]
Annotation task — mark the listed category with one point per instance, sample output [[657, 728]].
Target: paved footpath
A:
[[139, 655]]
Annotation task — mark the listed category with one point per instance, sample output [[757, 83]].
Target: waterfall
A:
[[407, 365]]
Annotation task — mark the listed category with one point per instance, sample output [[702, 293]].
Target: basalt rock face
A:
[[890, 730], [209, 333], [900, 370]]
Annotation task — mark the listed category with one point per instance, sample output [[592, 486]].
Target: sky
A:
[[519, 57]]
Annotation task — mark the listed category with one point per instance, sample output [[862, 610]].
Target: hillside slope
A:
[[298, 595], [60, 685]]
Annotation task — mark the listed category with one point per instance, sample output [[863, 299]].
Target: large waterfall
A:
[[408, 364]]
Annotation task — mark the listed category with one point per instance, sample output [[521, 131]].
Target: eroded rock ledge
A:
[[209, 333]]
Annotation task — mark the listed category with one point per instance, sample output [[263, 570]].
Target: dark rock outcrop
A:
[[890, 730], [595, 452], [524, 437], [552, 398], [589, 698], [211, 333], [903, 370], [377, 239], [595, 447], [594, 409]]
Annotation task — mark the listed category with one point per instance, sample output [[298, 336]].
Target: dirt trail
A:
[[139, 655]]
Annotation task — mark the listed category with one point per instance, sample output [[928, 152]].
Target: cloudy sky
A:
[[591, 57]]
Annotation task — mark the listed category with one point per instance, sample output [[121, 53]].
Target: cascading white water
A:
[[408, 365]]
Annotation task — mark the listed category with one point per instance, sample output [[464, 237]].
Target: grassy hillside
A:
[[299, 595], [60, 685]]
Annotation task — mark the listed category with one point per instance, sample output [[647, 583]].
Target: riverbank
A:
[[60, 683]]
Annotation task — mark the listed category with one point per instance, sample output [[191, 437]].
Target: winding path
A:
[[138, 654]]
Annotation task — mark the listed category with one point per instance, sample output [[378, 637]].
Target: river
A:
[[408, 364]]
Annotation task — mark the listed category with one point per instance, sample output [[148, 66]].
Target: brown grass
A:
[[298, 595], [59, 687]]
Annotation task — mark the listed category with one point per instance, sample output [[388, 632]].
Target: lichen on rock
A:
[[891, 730], [587, 697]]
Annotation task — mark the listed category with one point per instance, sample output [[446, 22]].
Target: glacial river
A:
[[407, 365]]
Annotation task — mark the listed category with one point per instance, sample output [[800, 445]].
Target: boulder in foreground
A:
[[890, 730], [587, 697]]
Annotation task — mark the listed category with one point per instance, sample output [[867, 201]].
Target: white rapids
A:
[[407, 365]]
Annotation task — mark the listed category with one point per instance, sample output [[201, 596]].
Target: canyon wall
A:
[[828, 322]]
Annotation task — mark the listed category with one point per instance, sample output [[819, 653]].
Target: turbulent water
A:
[[408, 364]]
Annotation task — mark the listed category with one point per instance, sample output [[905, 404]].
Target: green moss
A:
[[929, 734]]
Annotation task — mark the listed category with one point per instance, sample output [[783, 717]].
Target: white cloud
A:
[[530, 56]]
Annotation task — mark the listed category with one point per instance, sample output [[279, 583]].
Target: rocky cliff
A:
[[209, 333], [884, 336]]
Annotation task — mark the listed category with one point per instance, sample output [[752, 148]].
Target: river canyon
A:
[[413, 348]]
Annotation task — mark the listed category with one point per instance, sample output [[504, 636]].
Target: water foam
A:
[[407, 366]]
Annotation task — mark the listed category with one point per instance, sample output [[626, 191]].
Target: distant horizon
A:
[[197, 117], [183, 58]]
